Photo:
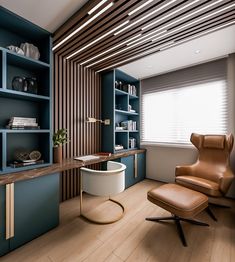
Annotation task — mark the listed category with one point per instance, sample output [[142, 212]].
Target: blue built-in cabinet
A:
[[116, 105], [36, 210], [4, 244], [15, 30], [135, 168], [34, 203]]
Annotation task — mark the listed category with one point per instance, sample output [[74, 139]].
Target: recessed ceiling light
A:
[[97, 39], [164, 46], [194, 22], [109, 56], [140, 7], [184, 17], [197, 51], [110, 49], [125, 60], [143, 37], [170, 14], [82, 26], [97, 6], [146, 16]]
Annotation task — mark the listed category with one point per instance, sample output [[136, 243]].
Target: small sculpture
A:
[[15, 49], [30, 50]]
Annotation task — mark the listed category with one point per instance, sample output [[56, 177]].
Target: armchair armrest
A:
[[226, 180], [184, 170]]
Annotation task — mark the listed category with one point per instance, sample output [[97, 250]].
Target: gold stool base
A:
[[108, 221]]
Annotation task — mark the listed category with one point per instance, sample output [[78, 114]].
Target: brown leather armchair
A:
[[211, 174]]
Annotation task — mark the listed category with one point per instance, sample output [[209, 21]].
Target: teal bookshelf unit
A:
[[15, 30], [36, 200], [116, 104]]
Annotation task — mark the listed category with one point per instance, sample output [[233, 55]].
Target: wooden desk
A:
[[67, 164], [24, 194]]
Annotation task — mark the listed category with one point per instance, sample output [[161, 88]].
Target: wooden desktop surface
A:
[[67, 164]]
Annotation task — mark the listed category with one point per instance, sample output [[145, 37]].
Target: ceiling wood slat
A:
[[100, 26], [100, 45], [154, 48], [113, 44], [72, 21], [109, 42]]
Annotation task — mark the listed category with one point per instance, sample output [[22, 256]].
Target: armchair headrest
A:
[[212, 141]]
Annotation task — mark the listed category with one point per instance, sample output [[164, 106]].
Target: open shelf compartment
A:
[[19, 67], [15, 30], [24, 108], [25, 143], [121, 139], [121, 102]]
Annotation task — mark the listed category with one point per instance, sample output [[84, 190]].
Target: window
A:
[[171, 115]]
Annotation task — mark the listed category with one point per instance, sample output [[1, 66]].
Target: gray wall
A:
[[162, 160]]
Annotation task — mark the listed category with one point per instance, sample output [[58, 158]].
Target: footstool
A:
[[182, 202]]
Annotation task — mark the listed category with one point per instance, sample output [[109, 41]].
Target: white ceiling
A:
[[211, 46], [48, 14]]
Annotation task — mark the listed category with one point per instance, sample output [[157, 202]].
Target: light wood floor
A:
[[132, 238]]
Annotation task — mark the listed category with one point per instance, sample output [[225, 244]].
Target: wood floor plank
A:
[[132, 238], [222, 240], [130, 244], [113, 258], [232, 235], [119, 236], [153, 245]]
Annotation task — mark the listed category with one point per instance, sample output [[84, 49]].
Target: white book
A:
[[23, 124], [24, 118], [86, 158]]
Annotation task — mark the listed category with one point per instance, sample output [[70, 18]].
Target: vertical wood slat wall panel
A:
[[76, 97]]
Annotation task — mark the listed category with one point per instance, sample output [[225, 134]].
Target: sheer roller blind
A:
[[190, 100]]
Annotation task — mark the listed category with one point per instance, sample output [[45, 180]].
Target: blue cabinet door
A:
[[129, 173], [4, 244], [129, 161], [141, 166], [36, 208]]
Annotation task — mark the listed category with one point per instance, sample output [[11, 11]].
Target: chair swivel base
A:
[[108, 221], [177, 220]]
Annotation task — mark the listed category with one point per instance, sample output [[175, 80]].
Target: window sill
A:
[[167, 145]]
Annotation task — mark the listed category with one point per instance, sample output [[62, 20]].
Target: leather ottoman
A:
[[182, 202]]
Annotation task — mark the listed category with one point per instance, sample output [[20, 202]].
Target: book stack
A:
[[119, 128], [118, 147], [23, 123], [131, 89], [129, 125], [17, 164]]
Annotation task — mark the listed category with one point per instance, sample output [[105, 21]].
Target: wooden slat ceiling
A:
[[108, 33]]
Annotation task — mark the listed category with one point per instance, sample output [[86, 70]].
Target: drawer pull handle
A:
[[9, 210]]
